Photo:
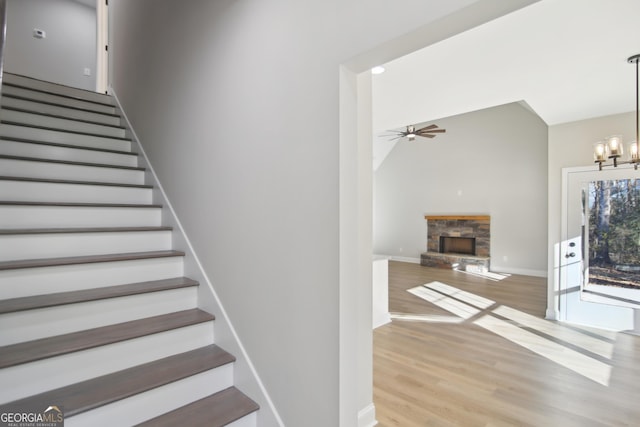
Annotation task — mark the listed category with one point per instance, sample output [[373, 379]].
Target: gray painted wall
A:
[[69, 46], [238, 105], [492, 161]]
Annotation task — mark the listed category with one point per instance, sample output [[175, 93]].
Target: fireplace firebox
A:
[[457, 245]]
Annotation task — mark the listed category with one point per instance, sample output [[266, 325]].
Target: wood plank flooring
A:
[[485, 357]]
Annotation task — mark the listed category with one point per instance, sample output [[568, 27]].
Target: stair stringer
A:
[[246, 376]]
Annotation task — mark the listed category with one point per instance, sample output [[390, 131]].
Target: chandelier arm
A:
[[637, 103], [634, 60]]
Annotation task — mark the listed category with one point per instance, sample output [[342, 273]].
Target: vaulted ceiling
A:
[[566, 59]]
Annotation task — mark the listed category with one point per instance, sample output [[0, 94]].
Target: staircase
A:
[[95, 314]]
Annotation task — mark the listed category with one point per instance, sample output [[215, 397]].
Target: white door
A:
[[102, 39], [580, 299]]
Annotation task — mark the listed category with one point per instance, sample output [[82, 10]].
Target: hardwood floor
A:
[[471, 351]]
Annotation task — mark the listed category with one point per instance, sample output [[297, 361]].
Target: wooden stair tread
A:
[[75, 147], [216, 410], [6, 82], [96, 392], [69, 162], [77, 204], [69, 181], [75, 132], [71, 107], [25, 352], [12, 231], [57, 116], [72, 297], [54, 262], [61, 95]]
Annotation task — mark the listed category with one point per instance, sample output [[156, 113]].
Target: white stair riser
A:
[[33, 119], [155, 402], [56, 99], [55, 372], [66, 216], [35, 169], [36, 246], [50, 152], [60, 137], [56, 192], [56, 88], [46, 280], [70, 113], [29, 325]]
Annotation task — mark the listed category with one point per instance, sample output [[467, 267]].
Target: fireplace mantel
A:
[[457, 217]]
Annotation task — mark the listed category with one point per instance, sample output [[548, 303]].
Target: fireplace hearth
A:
[[458, 242]]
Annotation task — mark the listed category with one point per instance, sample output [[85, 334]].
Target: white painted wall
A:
[[251, 126], [571, 145], [492, 161], [380, 292], [69, 46]]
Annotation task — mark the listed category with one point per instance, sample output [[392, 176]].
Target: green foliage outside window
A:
[[614, 232]]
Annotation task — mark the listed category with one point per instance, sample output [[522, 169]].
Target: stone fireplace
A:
[[458, 241]]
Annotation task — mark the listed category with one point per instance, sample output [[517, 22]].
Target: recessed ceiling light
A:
[[378, 69]]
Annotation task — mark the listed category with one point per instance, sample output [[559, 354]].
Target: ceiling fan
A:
[[411, 132]]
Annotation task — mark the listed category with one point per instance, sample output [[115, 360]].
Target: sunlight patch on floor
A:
[[459, 294], [486, 274], [460, 309], [565, 346], [582, 364], [568, 335]]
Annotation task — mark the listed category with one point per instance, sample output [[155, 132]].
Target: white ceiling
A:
[[567, 59]]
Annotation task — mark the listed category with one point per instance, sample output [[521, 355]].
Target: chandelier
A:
[[612, 147]]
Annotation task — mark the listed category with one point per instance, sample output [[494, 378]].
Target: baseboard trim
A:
[[403, 259], [494, 268], [551, 314], [520, 271], [381, 320], [367, 416]]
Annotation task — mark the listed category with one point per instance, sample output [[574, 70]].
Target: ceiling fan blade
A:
[[426, 132]]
